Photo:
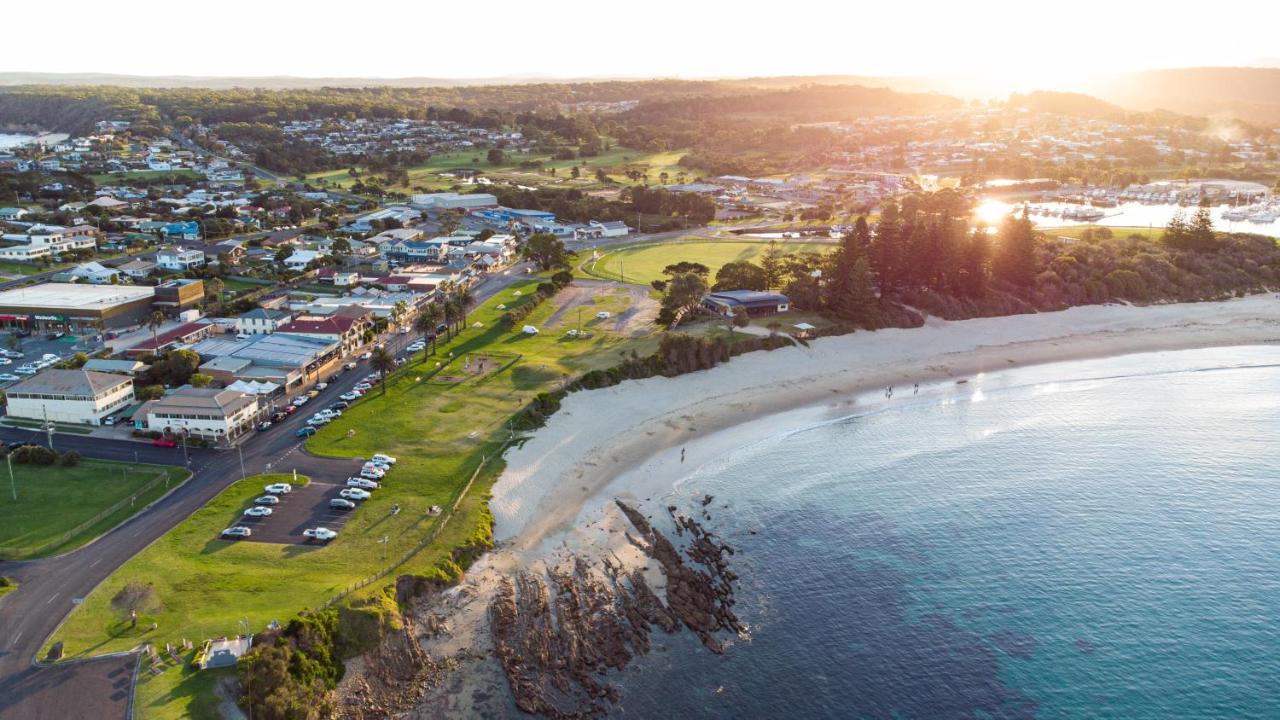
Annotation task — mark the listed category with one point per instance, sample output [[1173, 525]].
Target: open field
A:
[[1076, 231], [53, 501], [615, 162], [644, 263], [439, 431]]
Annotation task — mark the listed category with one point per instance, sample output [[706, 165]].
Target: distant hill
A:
[[1249, 94], [1066, 103], [278, 82]]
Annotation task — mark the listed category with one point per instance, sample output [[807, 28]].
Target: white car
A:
[[266, 500], [318, 420], [27, 370], [363, 387], [372, 473], [239, 531], [10, 353], [366, 355], [349, 366], [301, 400], [362, 483], [279, 488], [49, 357], [5, 361], [320, 533], [384, 459], [529, 330], [349, 396], [9, 377], [355, 494], [602, 315], [321, 386], [258, 511]]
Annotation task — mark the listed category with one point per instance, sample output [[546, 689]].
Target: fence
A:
[[17, 553], [430, 537]]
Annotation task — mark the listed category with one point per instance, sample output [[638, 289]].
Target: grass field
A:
[[615, 162], [439, 430], [128, 177], [1076, 231], [53, 500], [644, 263]]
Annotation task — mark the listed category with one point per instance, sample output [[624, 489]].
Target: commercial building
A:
[[206, 413], [179, 294], [183, 335], [74, 307], [261, 321], [288, 360], [80, 397], [452, 200], [346, 326]]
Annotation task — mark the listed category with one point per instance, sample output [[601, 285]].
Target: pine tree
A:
[[886, 250], [860, 305], [1015, 260]]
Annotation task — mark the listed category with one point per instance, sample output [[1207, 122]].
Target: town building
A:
[[452, 200], [754, 302], [179, 259], [212, 414], [74, 307], [179, 294], [261, 321], [288, 360], [82, 397]]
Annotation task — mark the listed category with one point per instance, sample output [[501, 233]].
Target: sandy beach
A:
[[636, 439]]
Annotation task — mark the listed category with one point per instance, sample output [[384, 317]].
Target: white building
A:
[[178, 259], [70, 396], [452, 200], [261, 321], [203, 412]]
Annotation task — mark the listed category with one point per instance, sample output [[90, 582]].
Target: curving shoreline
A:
[[627, 441]]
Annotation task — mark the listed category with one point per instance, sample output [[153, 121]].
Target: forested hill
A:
[[1249, 94]]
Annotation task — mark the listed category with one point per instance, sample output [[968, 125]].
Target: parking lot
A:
[[305, 507]]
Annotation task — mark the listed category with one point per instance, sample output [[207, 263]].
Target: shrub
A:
[[35, 455], [70, 458]]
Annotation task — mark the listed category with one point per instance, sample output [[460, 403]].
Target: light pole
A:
[[13, 487], [240, 452]]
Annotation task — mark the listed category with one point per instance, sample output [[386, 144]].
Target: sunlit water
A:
[[1087, 540], [1137, 215]]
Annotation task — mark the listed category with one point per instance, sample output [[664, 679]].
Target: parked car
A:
[[9, 377], [264, 425], [10, 353], [49, 357], [164, 442], [311, 394], [27, 370], [279, 488], [319, 387], [355, 494], [320, 533], [372, 473], [341, 504], [5, 361], [290, 409], [278, 415], [300, 400], [362, 483], [364, 387], [602, 315], [366, 355], [529, 330], [349, 366], [110, 420], [304, 432], [266, 500], [349, 396], [318, 420], [239, 531], [258, 511], [340, 405], [387, 459]]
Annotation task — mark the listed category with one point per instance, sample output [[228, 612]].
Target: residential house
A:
[[137, 269], [179, 259], [261, 321], [90, 272]]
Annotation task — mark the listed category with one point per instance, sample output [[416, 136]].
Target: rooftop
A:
[[75, 296], [190, 398], [84, 383]]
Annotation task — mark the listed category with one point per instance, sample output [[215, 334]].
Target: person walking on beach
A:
[[681, 454], [916, 389]]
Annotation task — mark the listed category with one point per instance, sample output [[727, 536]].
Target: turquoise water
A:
[[1086, 540]]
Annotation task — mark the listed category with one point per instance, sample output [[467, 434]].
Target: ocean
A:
[[1094, 539]]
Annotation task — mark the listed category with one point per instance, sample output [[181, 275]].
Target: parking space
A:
[[305, 507]]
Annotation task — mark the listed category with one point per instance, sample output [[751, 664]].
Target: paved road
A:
[[49, 587]]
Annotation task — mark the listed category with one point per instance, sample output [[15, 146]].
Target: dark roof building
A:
[[755, 302]]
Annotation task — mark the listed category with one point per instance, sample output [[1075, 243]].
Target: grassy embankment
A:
[[54, 501], [439, 426]]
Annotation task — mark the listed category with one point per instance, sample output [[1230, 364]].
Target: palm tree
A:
[[154, 321], [450, 308], [464, 298], [425, 324], [382, 363]]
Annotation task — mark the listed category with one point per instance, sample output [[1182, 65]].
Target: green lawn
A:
[[615, 163], [439, 423], [1075, 231], [53, 500], [644, 263]]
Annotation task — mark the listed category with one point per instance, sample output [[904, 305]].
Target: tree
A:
[[135, 598], [213, 288], [200, 380], [737, 318], [341, 247], [425, 325], [684, 294], [382, 363], [1196, 235], [546, 251], [154, 321], [740, 276], [1015, 260], [284, 253], [496, 156], [771, 264]]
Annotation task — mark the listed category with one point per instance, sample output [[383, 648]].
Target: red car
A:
[[164, 442], [291, 409]]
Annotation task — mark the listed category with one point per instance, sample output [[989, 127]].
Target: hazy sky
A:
[[1024, 43]]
